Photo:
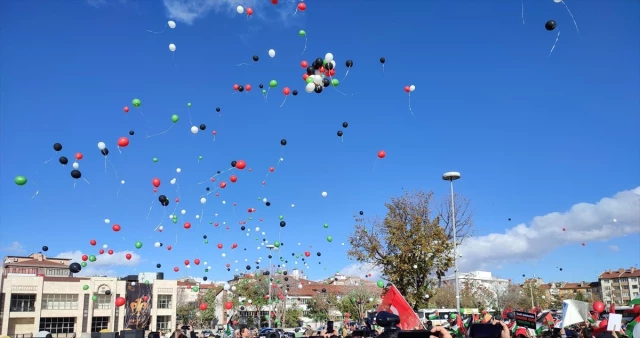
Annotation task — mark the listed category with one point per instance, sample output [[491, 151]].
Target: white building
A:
[[484, 279]]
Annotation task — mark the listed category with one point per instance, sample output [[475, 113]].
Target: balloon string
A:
[[189, 113], [285, 100], [305, 43], [37, 190], [150, 136], [112, 166], [177, 203], [118, 192], [160, 32], [572, 18], [522, 6], [151, 206], [383, 67], [411, 110], [216, 175], [174, 61], [243, 64], [554, 44], [345, 75], [49, 160]]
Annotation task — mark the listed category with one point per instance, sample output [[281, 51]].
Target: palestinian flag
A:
[[434, 315], [635, 301], [633, 328]]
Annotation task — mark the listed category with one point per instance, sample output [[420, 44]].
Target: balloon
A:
[[283, 142], [45, 248], [194, 130], [123, 142], [131, 132], [203, 200], [79, 156], [241, 164], [324, 194], [63, 160], [273, 83], [76, 165], [349, 63], [294, 92], [174, 118], [310, 87], [228, 305], [557, 1], [76, 174], [383, 60], [328, 57], [115, 227], [286, 91], [382, 154], [101, 145], [20, 180], [340, 133], [120, 301], [75, 267], [57, 146], [302, 6], [550, 25], [272, 53], [138, 245], [380, 284], [155, 182], [171, 24], [203, 306], [335, 82], [172, 47], [345, 124], [412, 88], [329, 239], [136, 103], [240, 9], [598, 307], [250, 13], [302, 33]]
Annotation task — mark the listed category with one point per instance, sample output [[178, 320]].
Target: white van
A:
[[441, 316]]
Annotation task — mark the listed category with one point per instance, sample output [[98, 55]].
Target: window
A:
[[634, 279], [164, 302], [623, 280], [23, 303], [59, 302], [58, 325], [163, 323], [625, 294], [634, 286], [102, 302], [625, 287], [57, 272], [99, 323]]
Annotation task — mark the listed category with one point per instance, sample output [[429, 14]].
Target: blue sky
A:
[[531, 134]]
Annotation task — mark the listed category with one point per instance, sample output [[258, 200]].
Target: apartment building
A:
[[620, 286], [590, 290]]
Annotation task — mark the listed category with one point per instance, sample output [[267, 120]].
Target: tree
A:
[[252, 292], [293, 316], [476, 295], [186, 307], [444, 296], [531, 290], [579, 296], [509, 296], [413, 243], [321, 306], [209, 298], [357, 302]]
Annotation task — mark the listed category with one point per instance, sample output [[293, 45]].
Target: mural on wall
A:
[[138, 308]]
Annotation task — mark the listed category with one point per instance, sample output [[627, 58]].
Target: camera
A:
[[387, 320]]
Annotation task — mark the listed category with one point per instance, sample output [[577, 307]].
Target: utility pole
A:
[[531, 289], [270, 247]]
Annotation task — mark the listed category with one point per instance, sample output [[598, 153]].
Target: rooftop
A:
[[620, 273]]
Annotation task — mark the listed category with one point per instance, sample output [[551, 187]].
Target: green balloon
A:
[[92, 258], [206, 270], [206, 241], [20, 180], [273, 83], [189, 104], [264, 91], [147, 282], [155, 159], [308, 80], [329, 239], [302, 33], [380, 284], [85, 287], [281, 217], [138, 245], [136, 103], [175, 220], [83, 264], [326, 225], [276, 244], [95, 298], [200, 158], [335, 82], [175, 118]]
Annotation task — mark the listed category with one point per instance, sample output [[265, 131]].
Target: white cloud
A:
[[583, 223], [104, 264], [14, 248], [360, 270], [187, 11], [614, 248]]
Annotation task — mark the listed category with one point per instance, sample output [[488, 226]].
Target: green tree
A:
[[252, 292], [580, 296], [358, 302], [209, 298], [321, 306], [531, 289], [412, 242], [293, 316]]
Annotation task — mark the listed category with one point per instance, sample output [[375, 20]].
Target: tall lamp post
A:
[[452, 176], [270, 247]]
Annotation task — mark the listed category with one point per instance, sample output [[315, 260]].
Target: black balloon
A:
[[256, 58], [207, 188], [261, 86], [162, 198], [318, 89], [248, 267], [233, 163], [283, 223], [76, 174], [340, 133], [310, 70], [107, 292], [75, 267], [218, 109], [46, 248], [203, 126], [269, 256], [164, 203], [243, 228], [295, 92], [204, 278], [550, 25], [131, 132], [268, 204], [319, 254], [283, 142], [349, 63], [57, 146], [329, 66], [324, 290], [284, 273], [240, 88], [218, 172], [204, 236], [158, 265], [63, 160], [105, 151], [318, 63], [286, 279], [326, 82], [361, 213], [383, 60], [511, 315], [345, 124]]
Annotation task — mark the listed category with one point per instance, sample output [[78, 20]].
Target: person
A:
[[429, 325], [244, 332], [309, 332]]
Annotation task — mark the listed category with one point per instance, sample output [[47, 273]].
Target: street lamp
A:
[[452, 176], [270, 247]]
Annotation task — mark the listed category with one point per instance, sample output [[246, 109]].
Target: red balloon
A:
[[176, 269], [286, 91], [304, 64], [332, 72], [235, 87], [110, 252], [177, 200], [223, 185], [126, 109], [186, 262], [229, 305], [169, 247], [123, 142], [249, 11], [603, 324], [120, 301], [79, 156], [196, 261], [93, 242], [101, 251], [275, 2], [214, 132], [155, 182], [307, 254], [187, 225], [233, 179], [84, 258], [407, 89], [219, 245], [203, 306], [128, 256], [272, 169], [305, 76], [215, 224], [382, 154], [234, 245], [241, 164], [115, 227], [228, 265], [302, 6], [247, 87], [598, 307]]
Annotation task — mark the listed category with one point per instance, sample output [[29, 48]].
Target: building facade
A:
[[484, 279], [620, 286]]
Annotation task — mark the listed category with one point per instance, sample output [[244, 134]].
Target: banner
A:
[[394, 302], [573, 311], [526, 319], [138, 306]]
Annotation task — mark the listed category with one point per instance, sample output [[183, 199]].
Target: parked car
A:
[[207, 333]]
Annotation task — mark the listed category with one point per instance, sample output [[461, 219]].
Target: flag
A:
[[633, 329], [434, 315], [612, 308], [394, 302], [635, 301]]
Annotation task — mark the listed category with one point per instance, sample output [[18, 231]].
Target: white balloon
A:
[[76, 165], [557, 1], [101, 145], [105, 246], [157, 244], [224, 202], [264, 200], [172, 47], [203, 200], [107, 221], [240, 9], [233, 288], [178, 170], [197, 216], [324, 194], [328, 57], [161, 228], [412, 88], [272, 53], [317, 79], [194, 130], [227, 287], [122, 182], [188, 266], [293, 205], [257, 229], [333, 62], [173, 181], [310, 87], [183, 211], [171, 24]]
